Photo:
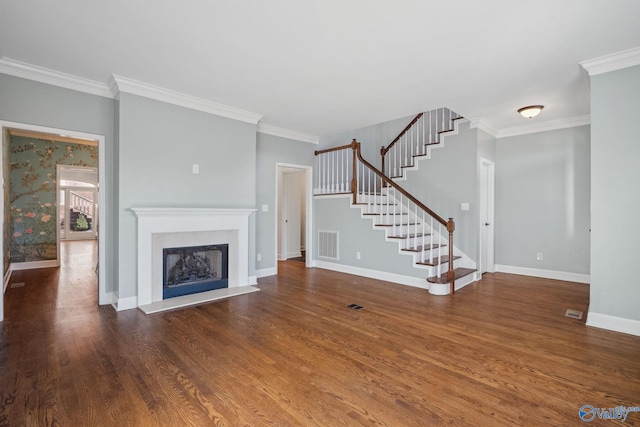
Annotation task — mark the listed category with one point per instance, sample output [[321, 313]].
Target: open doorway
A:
[[77, 203], [293, 216], [36, 222]]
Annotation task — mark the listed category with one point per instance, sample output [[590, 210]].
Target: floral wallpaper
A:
[[33, 193]]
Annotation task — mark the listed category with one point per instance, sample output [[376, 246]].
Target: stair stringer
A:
[[441, 143], [434, 288]]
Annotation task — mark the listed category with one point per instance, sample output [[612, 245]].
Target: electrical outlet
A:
[[357, 255], [259, 257], [539, 256], [196, 169]]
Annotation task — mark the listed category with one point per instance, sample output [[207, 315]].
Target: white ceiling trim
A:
[[134, 87], [287, 133], [52, 77], [613, 62], [545, 126], [484, 125]]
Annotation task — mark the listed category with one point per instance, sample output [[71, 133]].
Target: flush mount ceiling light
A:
[[530, 111]]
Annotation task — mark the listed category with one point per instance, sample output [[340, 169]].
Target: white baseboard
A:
[[266, 272], [126, 303], [545, 274], [16, 266], [294, 254], [7, 278], [252, 280], [613, 323], [109, 298], [374, 274]]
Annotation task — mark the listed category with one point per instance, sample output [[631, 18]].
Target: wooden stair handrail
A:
[[404, 192], [329, 150], [384, 150], [357, 155], [450, 224]]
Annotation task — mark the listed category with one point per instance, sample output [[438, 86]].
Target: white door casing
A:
[[487, 262]]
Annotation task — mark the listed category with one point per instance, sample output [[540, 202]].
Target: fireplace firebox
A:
[[194, 269]]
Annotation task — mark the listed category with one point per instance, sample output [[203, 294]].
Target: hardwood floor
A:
[[497, 353]]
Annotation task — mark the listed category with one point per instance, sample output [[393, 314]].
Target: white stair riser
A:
[[384, 209]]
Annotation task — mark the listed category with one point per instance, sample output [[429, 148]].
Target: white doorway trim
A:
[[308, 208], [486, 254], [103, 296], [83, 174]]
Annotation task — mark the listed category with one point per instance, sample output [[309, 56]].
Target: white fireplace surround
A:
[[158, 227]]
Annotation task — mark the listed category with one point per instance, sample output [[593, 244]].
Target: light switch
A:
[[265, 208], [464, 206]]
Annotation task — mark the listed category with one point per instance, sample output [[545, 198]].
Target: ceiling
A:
[[323, 67]]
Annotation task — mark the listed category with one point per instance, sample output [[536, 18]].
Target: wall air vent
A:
[[328, 244]]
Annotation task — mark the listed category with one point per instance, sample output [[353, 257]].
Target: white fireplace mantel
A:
[[161, 221]]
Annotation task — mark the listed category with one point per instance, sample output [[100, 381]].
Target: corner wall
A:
[[615, 201], [30, 102], [542, 201]]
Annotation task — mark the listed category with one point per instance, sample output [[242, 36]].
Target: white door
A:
[[487, 263]]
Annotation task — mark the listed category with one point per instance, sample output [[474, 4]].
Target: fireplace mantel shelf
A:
[[160, 211]]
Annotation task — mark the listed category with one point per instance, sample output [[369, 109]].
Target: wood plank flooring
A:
[[497, 353]]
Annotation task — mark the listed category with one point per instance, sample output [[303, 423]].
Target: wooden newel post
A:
[[354, 182], [451, 226], [382, 153]]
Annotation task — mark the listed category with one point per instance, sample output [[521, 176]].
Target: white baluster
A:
[[423, 235], [439, 249], [430, 121], [431, 233]]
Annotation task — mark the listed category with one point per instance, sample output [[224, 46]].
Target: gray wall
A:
[[446, 180], [271, 150], [371, 138], [615, 201], [358, 235], [542, 200], [158, 144], [29, 102]]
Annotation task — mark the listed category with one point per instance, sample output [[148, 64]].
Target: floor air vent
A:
[[574, 314], [328, 244], [17, 285], [355, 307]]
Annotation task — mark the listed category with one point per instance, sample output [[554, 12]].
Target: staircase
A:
[[78, 205], [418, 231], [427, 131], [73, 220]]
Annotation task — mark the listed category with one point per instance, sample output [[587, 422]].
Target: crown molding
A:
[[287, 133], [52, 77], [545, 126], [134, 87], [612, 62], [484, 125]]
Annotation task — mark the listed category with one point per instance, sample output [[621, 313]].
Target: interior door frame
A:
[[68, 232], [308, 209], [59, 173], [103, 296], [487, 203]]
